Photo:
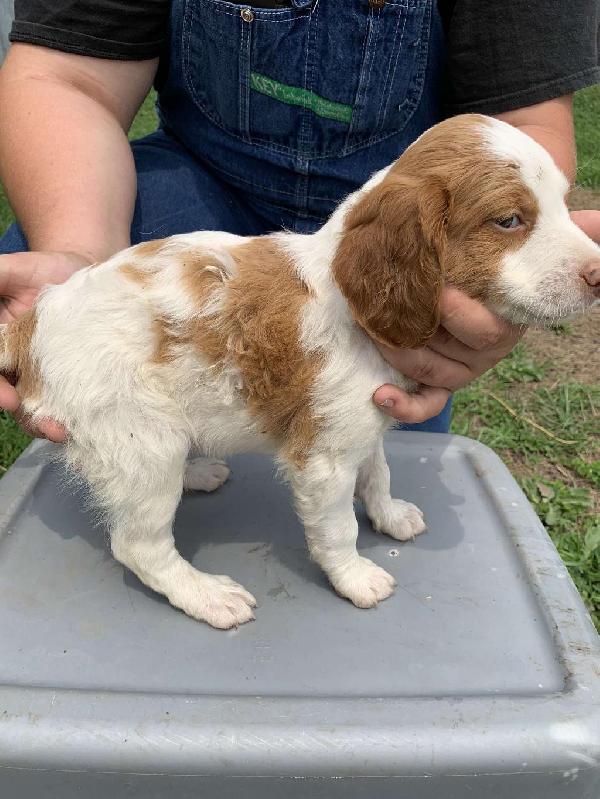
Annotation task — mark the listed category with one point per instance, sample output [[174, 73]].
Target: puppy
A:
[[222, 344]]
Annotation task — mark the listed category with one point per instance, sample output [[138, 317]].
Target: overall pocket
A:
[[314, 81], [392, 71], [225, 47]]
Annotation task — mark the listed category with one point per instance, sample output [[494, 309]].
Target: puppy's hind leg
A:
[[140, 494], [204, 474]]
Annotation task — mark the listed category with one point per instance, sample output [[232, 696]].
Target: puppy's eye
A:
[[510, 223]]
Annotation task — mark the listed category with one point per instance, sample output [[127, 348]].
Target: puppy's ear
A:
[[388, 264]]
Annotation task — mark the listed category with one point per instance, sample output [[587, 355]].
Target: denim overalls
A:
[[269, 116]]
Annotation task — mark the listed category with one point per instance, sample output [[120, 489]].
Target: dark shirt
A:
[[501, 55]]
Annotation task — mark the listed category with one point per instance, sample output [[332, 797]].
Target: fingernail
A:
[[387, 403]]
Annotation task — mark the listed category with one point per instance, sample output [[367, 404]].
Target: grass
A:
[[12, 441], [587, 114], [146, 119], [6, 215], [548, 438]]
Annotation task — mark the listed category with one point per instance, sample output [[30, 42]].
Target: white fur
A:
[[132, 422]]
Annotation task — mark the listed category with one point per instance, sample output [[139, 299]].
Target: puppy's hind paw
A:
[[205, 474]]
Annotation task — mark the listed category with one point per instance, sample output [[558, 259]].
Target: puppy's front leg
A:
[[394, 517], [323, 490]]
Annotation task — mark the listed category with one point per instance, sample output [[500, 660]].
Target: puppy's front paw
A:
[[401, 520], [205, 474], [214, 598], [365, 584], [229, 604]]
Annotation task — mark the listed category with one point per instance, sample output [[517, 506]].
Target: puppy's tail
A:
[[15, 343], [7, 358]]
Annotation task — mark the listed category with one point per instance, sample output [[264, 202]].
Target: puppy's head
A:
[[478, 204]]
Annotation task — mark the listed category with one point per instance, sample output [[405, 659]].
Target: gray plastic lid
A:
[[485, 657]]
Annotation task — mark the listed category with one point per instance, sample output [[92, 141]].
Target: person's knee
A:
[[13, 241], [438, 424]]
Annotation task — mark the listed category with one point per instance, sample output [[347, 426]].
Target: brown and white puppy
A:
[[218, 343]]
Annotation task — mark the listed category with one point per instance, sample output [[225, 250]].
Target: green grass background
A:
[[6, 216], [587, 129], [560, 481]]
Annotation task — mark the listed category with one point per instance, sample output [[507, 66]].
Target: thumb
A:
[[15, 271], [589, 222], [415, 408], [24, 271]]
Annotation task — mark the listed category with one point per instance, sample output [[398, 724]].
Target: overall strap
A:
[[446, 9]]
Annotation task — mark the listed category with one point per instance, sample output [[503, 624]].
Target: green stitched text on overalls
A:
[[293, 95]]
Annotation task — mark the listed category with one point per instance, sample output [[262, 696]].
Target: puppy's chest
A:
[[352, 369], [353, 365]]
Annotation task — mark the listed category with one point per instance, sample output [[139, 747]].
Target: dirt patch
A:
[[572, 356], [551, 471], [581, 199]]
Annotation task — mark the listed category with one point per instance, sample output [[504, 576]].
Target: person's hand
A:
[[589, 222], [470, 340], [22, 276]]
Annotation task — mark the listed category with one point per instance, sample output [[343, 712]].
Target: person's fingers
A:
[[44, 428], [23, 274], [6, 269], [9, 399], [472, 323], [450, 348], [428, 367], [51, 430], [411, 408], [589, 222], [16, 271]]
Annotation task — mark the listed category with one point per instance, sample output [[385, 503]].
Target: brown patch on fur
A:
[[141, 253], [202, 274], [428, 222], [257, 329], [265, 304], [148, 249], [17, 352], [139, 276], [163, 348]]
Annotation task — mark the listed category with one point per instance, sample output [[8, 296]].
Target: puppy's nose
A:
[[591, 274]]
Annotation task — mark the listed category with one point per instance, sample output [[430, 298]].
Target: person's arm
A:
[[551, 125], [67, 168], [64, 156], [471, 340]]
